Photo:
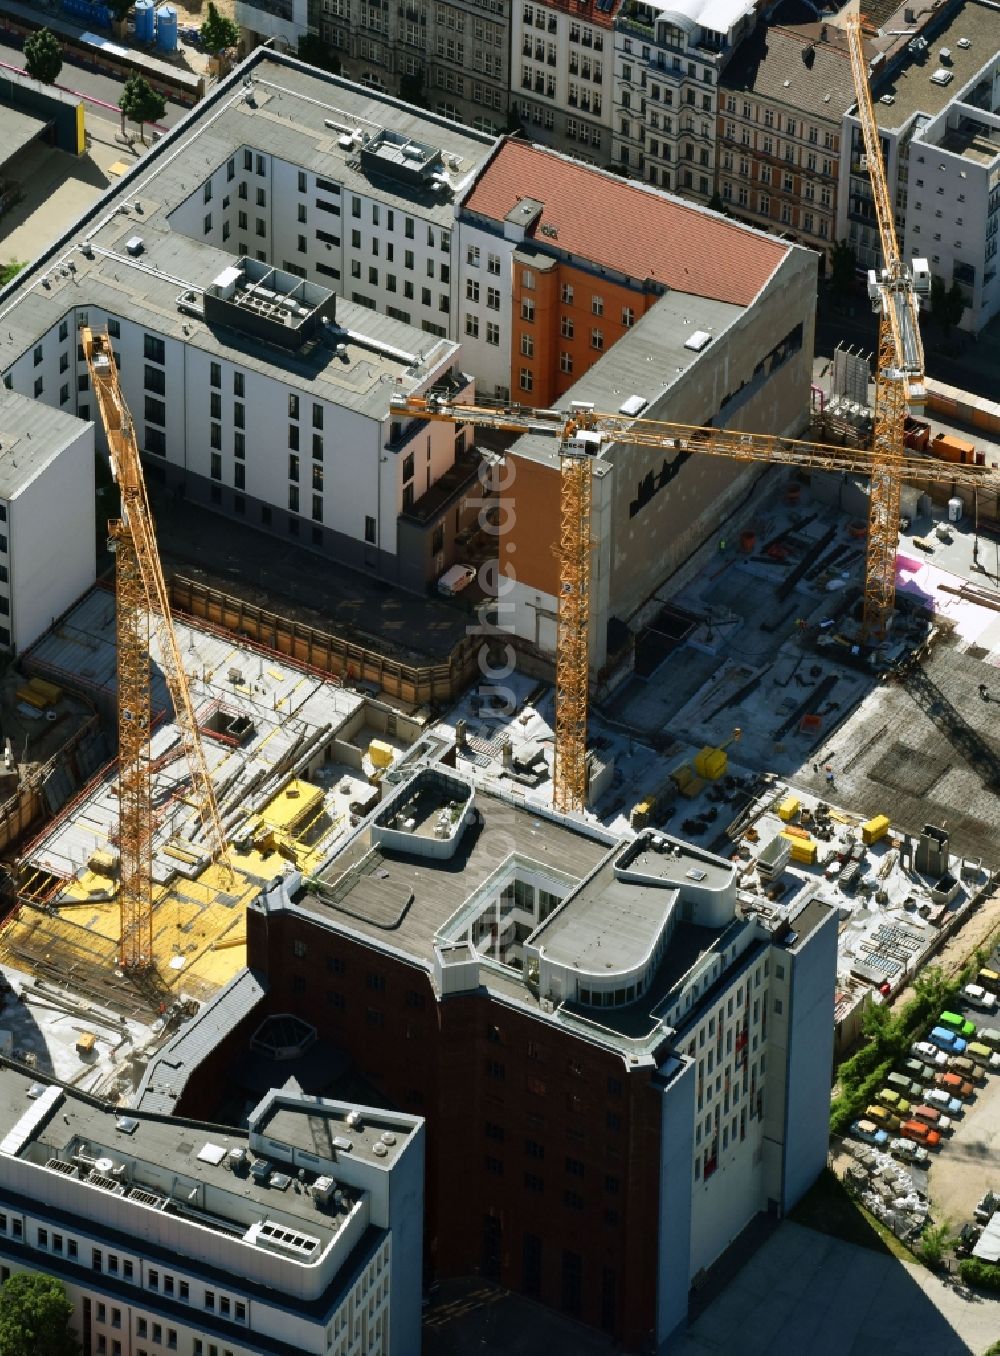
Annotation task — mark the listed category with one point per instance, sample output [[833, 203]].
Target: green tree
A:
[[842, 268], [947, 303], [43, 56], [141, 103], [10, 271], [217, 32], [934, 1243], [35, 1315]]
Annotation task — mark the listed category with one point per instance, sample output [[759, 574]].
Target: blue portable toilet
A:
[[166, 28], [145, 20]]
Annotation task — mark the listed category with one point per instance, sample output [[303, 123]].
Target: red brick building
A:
[[547, 996]]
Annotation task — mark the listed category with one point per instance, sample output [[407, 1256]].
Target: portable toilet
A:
[[166, 28], [145, 20]]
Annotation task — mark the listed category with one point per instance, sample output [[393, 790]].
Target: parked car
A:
[[893, 1101], [948, 1040], [882, 1117], [990, 1036], [869, 1133], [456, 579], [954, 1085], [933, 1116], [908, 1087], [978, 997], [908, 1150], [989, 979], [919, 1071], [982, 1054], [966, 1068], [944, 1101], [955, 1022], [920, 1133], [929, 1053]]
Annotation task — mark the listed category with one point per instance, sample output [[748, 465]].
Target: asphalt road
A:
[[83, 81]]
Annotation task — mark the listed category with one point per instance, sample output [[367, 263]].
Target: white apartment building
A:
[[47, 513], [255, 388], [667, 62], [953, 206], [301, 1235], [562, 74], [936, 97]]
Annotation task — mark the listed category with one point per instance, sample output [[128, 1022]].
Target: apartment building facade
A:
[[668, 60], [603, 1117], [782, 102], [935, 91], [266, 300], [172, 1236], [450, 56]]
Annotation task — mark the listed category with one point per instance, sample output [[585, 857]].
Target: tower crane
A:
[[142, 608], [899, 377], [583, 434]]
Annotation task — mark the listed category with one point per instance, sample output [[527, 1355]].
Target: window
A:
[[293, 467], [566, 362], [155, 411], [628, 317], [214, 375], [597, 339], [472, 325], [370, 529], [154, 350], [492, 333], [527, 309], [566, 294], [493, 300], [527, 380], [471, 289]]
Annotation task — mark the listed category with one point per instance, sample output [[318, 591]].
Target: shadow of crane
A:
[[964, 739]]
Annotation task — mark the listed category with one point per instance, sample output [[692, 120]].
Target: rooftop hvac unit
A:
[[354, 1120], [379, 1149], [323, 1190], [238, 1159], [388, 1137], [965, 43], [134, 245], [345, 142]]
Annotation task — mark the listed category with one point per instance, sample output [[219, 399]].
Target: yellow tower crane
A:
[[143, 607], [584, 433], [900, 373]]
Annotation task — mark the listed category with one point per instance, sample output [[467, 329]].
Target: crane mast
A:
[[143, 609], [583, 433], [900, 371]]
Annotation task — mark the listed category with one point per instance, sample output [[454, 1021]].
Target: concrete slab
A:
[[806, 1292]]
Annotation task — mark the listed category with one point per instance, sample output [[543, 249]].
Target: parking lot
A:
[[952, 1179], [969, 1163]]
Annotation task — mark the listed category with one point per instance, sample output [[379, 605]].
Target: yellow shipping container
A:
[[804, 850], [874, 829], [381, 754], [788, 808], [711, 763], [47, 689]]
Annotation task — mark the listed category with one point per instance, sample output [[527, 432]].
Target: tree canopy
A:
[[947, 303], [218, 32], [35, 1315], [43, 56], [141, 103]]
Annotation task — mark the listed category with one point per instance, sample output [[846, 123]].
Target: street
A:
[[79, 79]]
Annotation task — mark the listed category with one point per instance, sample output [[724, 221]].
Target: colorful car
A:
[[955, 1022], [919, 1071], [893, 1101], [944, 1101], [955, 1086], [966, 1068], [908, 1087], [920, 1133], [982, 1054], [978, 997], [869, 1133], [933, 1116], [947, 1039], [882, 1117]]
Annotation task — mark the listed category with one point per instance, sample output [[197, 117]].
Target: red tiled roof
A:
[[633, 230]]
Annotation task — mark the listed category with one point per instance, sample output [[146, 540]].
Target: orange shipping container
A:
[[949, 448]]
